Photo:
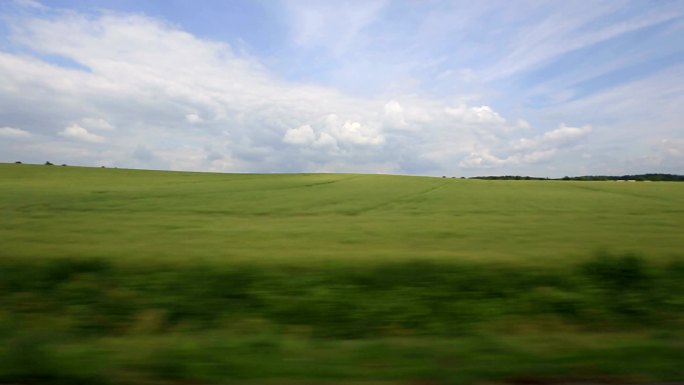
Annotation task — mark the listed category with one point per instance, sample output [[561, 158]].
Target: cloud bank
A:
[[128, 90]]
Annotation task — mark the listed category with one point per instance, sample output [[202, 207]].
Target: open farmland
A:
[[309, 218], [131, 277]]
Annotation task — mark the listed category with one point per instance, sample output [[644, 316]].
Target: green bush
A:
[[98, 298]]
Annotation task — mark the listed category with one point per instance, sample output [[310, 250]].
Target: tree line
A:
[[638, 177]]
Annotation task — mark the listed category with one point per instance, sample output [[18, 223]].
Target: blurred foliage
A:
[[96, 297], [50, 307]]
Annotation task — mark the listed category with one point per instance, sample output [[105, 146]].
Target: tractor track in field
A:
[[399, 199]]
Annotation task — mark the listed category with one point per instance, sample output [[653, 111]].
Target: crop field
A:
[[300, 218], [116, 276]]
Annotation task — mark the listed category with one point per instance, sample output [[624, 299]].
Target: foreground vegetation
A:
[[132, 277], [67, 320]]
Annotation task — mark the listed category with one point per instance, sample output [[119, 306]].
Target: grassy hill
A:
[[124, 214], [112, 276]]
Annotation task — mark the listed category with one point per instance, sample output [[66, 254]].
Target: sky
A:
[[454, 88]]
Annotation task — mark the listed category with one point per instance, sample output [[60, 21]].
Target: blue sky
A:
[[459, 88]]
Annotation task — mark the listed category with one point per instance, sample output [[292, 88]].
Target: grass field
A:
[[149, 277], [308, 218]]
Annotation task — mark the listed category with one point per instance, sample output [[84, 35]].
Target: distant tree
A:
[[48, 163], [17, 162]]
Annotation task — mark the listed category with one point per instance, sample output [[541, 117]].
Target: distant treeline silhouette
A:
[[639, 177]]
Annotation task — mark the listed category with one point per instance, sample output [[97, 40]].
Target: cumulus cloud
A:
[[476, 115], [156, 96], [565, 134], [562, 136], [331, 132], [528, 150], [300, 135], [325, 140], [356, 133], [79, 133], [14, 133]]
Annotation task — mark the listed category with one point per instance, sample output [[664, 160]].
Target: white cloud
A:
[[476, 115], [300, 135], [566, 30], [484, 158], [79, 133], [524, 151], [566, 134], [394, 115], [356, 133], [325, 140], [562, 136], [523, 124], [146, 80], [14, 133], [673, 147], [96, 124], [332, 132], [193, 119]]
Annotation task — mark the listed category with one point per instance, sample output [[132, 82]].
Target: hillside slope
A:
[[73, 211]]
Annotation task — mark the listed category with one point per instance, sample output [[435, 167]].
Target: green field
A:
[[150, 277], [310, 218]]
